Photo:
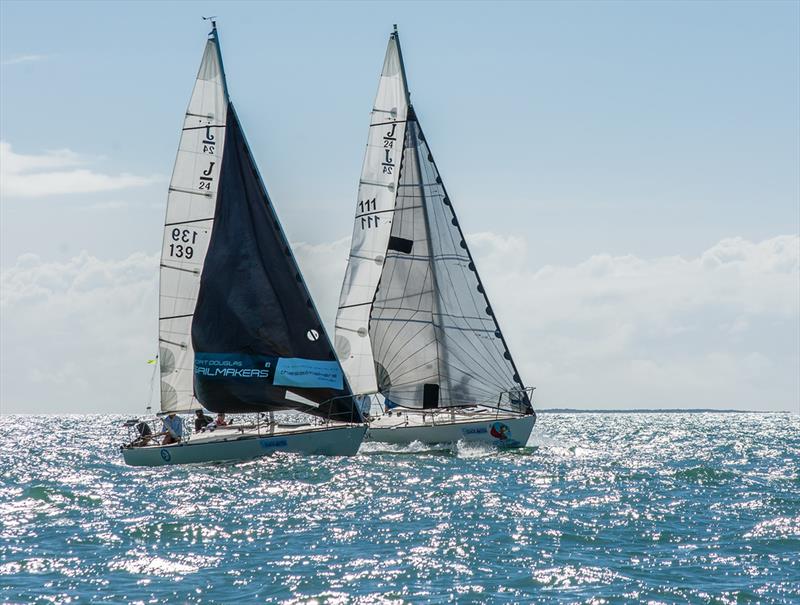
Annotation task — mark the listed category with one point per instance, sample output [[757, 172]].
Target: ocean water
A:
[[601, 508]]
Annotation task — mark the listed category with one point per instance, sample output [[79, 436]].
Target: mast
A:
[[396, 35], [412, 117], [214, 35]]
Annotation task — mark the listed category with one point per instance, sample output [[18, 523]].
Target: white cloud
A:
[[23, 59], [107, 205], [76, 334], [718, 330], [56, 173]]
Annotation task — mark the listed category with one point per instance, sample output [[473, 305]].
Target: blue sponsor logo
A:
[[270, 443], [308, 373], [166, 455], [233, 365], [474, 431], [280, 371]]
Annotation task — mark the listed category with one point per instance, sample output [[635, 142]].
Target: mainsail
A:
[[256, 341], [188, 225], [371, 231], [434, 336]]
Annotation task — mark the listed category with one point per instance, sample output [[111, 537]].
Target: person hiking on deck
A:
[[173, 429], [201, 421]]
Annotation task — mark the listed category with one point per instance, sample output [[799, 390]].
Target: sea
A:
[[599, 508]]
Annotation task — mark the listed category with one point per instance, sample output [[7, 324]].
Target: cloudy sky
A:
[[627, 175]]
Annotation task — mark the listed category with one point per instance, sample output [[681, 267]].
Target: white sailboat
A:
[[238, 330], [415, 329]]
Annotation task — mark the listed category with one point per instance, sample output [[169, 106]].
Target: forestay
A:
[[188, 226], [434, 334], [373, 222]]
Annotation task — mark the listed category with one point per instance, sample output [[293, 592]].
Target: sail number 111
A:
[[367, 222]]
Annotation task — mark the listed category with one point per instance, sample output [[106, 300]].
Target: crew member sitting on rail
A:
[[173, 427]]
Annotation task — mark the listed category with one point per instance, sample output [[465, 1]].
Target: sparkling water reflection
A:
[[601, 508]]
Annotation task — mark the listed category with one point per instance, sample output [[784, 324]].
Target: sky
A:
[[628, 176]]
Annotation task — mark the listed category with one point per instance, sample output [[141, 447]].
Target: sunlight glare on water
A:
[[662, 508]]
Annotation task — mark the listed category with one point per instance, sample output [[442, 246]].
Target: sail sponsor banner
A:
[[278, 371], [308, 373], [234, 365]]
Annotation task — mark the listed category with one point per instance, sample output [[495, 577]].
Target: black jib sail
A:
[[259, 343]]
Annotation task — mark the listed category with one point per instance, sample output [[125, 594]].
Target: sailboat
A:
[[238, 330], [415, 330]]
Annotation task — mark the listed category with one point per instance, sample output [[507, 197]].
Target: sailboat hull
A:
[[232, 445], [502, 431]]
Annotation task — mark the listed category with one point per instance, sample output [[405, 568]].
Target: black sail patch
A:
[[400, 244]]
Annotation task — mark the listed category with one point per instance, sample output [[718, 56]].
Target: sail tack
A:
[[188, 226], [373, 220]]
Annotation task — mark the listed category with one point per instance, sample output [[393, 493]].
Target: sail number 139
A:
[[183, 240]]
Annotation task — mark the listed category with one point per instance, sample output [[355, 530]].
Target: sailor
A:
[[220, 421], [173, 429], [144, 433], [201, 421]]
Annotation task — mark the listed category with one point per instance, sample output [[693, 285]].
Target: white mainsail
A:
[[373, 221], [187, 229]]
